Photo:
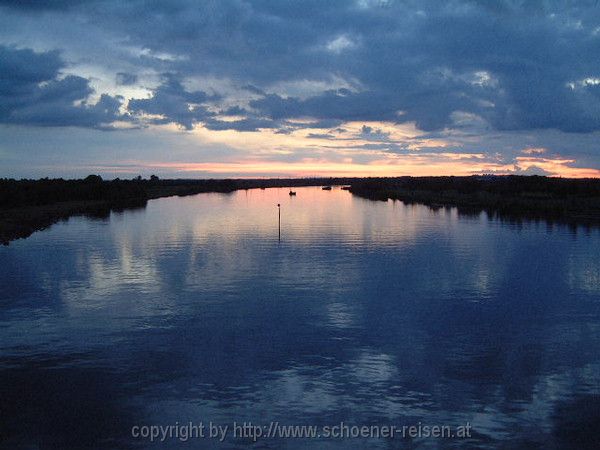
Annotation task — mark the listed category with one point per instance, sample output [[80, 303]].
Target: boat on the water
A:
[[326, 188], [292, 193], [345, 188]]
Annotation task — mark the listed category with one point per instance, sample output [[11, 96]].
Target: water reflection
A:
[[365, 312]]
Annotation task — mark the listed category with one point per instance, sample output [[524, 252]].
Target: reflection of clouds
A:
[[300, 390], [133, 269], [229, 239], [317, 389], [129, 270], [536, 416], [483, 281], [233, 242], [481, 264], [364, 310], [583, 272], [322, 389], [371, 367], [111, 275], [340, 315], [313, 216]]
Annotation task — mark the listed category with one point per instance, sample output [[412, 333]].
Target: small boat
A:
[[345, 188], [292, 193], [262, 188], [326, 188]]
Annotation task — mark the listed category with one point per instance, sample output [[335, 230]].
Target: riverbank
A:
[[17, 223], [575, 201], [27, 206]]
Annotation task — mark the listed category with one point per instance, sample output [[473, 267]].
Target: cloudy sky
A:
[[187, 88]]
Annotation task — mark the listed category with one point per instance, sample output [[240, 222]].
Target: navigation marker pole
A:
[[279, 209]]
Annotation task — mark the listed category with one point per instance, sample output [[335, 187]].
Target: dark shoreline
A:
[[513, 198], [27, 206]]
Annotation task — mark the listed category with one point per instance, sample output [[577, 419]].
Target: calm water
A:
[[370, 313]]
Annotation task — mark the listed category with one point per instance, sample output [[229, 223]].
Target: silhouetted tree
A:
[[89, 179]]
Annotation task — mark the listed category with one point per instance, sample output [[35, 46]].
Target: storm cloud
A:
[[32, 93], [518, 65], [511, 65]]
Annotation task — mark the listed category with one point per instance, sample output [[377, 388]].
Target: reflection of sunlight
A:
[[221, 227], [312, 215]]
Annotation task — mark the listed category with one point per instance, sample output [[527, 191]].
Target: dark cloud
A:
[[250, 124], [253, 89], [332, 105], [517, 65], [19, 68], [323, 123], [320, 136], [235, 111], [126, 79], [33, 93], [41, 4], [531, 170], [173, 103], [371, 134]]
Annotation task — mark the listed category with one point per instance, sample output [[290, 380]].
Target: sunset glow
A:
[[267, 92], [419, 165]]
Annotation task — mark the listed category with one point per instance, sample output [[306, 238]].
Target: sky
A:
[[237, 88]]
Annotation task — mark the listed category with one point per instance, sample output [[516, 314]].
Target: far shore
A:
[[30, 205], [563, 200]]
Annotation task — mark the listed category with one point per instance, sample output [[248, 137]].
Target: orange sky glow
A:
[[346, 152]]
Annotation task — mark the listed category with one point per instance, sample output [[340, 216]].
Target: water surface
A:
[[370, 313]]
